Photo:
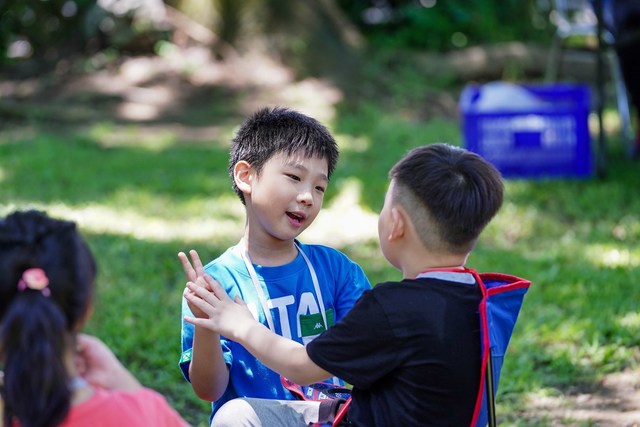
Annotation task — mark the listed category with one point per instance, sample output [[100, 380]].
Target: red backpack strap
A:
[[342, 412], [494, 285], [294, 388], [486, 346]]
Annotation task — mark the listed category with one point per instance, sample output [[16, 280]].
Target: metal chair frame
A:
[[579, 18]]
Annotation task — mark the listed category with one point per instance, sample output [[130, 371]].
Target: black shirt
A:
[[411, 350]]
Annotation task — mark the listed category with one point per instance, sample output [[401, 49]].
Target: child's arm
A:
[[97, 364], [234, 321], [208, 371]]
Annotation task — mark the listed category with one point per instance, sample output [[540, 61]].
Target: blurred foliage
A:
[[48, 30], [53, 29], [444, 25], [35, 27]]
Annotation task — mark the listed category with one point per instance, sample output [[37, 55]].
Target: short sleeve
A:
[[186, 338]]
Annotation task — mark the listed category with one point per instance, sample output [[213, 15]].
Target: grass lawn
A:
[[139, 201]]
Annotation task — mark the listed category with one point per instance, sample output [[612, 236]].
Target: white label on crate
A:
[[498, 134]]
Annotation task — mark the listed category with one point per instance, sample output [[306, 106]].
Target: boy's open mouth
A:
[[296, 218]]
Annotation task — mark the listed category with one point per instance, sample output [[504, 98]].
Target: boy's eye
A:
[[320, 189], [293, 177]]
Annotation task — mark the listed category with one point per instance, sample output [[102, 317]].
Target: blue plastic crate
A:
[[546, 139]]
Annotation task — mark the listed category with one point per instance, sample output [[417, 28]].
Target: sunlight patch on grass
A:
[[105, 220], [357, 144], [312, 96], [157, 138], [597, 354], [110, 135], [148, 204], [563, 332], [344, 221], [544, 395], [138, 111], [630, 321], [512, 224], [611, 256], [341, 223]]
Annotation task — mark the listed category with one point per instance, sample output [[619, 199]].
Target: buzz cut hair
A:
[[449, 193]]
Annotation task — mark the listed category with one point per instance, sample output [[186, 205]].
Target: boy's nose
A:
[[305, 197]]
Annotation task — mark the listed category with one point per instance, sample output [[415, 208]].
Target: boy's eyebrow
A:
[[301, 167]]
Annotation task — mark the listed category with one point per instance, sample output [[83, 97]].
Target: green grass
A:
[[142, 200]]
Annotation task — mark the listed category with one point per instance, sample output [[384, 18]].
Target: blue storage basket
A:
[[550, 139]]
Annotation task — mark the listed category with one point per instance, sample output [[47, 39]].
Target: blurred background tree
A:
[[443, 25], [322, 37]]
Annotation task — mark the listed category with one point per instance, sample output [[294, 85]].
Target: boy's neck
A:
[[271, 253], [415, 264]]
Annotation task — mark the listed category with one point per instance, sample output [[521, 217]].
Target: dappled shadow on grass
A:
[[374, 139], [77, 170], [578, 322], [575, 240], [137, 311]]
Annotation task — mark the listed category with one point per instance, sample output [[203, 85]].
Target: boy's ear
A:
[[242, 174], [398, 223]]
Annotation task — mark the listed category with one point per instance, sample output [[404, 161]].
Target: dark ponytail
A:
[[32, 335], [37, 327]]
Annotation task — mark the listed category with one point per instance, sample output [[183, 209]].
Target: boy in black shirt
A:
[[411, 349]]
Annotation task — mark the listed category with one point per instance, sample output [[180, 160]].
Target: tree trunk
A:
[[506, 61], [313, 37]]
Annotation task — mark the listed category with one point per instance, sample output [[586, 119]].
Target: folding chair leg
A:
[[555, 58], [491, 403], [622, 100]]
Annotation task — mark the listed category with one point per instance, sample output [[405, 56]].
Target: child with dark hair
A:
[[411, 349], [626, 30], [280, 165], [53, 375]]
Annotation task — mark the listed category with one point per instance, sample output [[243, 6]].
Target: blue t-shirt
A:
[[293, 305]]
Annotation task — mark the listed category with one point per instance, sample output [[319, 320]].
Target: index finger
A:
[[216, 288], [192, 269], [197, 264]]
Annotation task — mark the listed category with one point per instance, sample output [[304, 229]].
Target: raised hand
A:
[[222, 315], [97, 364], [194, 272], [192, 269]]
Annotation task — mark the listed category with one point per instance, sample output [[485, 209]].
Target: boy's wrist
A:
[[206, 332], [248, 332]]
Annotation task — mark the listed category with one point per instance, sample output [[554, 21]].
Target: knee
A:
[[235, 413]]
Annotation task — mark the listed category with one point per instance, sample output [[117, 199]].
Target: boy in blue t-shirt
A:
[[410, 348], [280, 165]]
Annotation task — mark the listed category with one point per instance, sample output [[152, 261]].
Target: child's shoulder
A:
[[335, 264], [322, 251], [230, 258]]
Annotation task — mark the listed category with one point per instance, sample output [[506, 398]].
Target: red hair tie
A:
[[36, 279]]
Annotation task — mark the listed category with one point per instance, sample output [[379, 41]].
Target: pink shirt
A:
[[141, 408]]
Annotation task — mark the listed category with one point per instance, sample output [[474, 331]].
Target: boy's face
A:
[[287, 194]]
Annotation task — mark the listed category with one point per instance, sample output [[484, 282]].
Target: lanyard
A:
[[262, 291]]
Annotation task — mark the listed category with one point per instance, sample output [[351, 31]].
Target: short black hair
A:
[[271, 131], [456, 189]]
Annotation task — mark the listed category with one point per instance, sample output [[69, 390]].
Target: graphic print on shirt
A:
[[310, 321]]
